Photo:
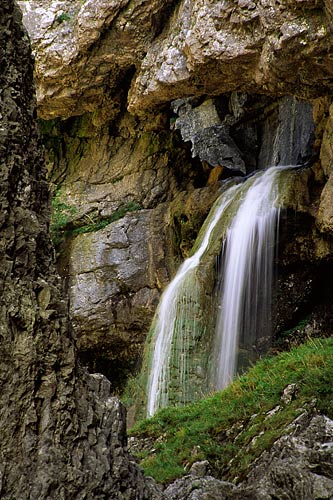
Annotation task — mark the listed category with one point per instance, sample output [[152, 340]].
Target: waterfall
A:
[[250, 213], [174, 324], [247, 271]]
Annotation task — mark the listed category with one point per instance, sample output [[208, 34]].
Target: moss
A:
[[49, 127], [231, 428], [63, 214]]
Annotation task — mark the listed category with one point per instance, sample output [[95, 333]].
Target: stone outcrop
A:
[[92, 48], [62, 434], [210, 138], [86, 53], [299, 465], [244, 45]]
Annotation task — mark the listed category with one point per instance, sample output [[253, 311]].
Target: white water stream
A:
[[173, 303], [246, 292], [247, 272]]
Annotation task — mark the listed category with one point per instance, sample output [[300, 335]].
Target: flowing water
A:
[[174, 324], [251, 212], [246, 274]]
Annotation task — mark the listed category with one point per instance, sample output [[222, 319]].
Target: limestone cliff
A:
[[62, 434], [87, 52]]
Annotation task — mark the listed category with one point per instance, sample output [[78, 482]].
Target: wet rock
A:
[[287, 134], [325, 213]]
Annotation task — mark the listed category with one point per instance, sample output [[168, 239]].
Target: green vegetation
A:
[[64, 16], [132, 206], [62, 214], [233, 427], [62, 219]]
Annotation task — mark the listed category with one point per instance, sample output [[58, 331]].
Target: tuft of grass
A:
[[62, 219], [232, 428], [132, 206]]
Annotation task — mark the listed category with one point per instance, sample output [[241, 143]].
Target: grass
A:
[[132, 206], [62, 219], [232, 428]]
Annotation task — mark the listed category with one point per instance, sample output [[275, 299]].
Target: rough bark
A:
[[62, 435]]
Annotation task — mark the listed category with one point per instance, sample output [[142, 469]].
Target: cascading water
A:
[[174, 325], [246, 275], [250, 211]]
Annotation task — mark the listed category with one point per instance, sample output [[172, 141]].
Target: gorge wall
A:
[[62, 434], [144, 108]]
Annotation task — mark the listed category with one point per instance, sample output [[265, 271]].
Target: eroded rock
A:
[[299, 465], [210, 138], [85, 51], [220, 47], [62, 435], [198, 488]]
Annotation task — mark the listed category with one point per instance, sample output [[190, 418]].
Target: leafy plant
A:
[[64, 16]]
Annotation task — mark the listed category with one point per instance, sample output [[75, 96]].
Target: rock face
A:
[[114, 291], [248, 46], [139, 178], [63, 435], [87, 52], [77, 46], [157, 101], [298, 467]]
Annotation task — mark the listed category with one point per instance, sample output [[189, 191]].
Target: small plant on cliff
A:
[[132, 206], [61, 215], [64, 16]]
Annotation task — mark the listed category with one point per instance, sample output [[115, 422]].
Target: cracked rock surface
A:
[[62, 434]]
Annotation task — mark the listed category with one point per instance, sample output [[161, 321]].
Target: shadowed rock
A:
[[62, 435]]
